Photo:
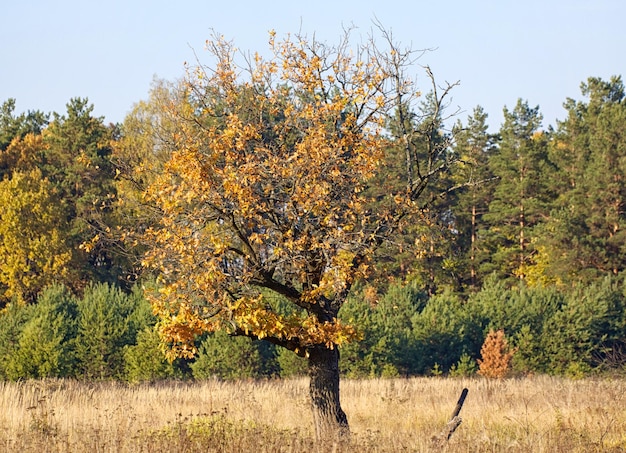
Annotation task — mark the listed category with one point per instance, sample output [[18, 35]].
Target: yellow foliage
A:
[[265, 189], [535, 273], [23, 153], [33, 249]]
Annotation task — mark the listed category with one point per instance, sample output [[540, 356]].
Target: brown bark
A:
[[522, 240], [330, 420], [473, 249]]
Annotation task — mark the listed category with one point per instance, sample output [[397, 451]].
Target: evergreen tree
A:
[[474, 146], [420, 151], [589, 327], [228, 357], [585, 237], [387, 347], [435, 238], [442, 332], [46, 342], [15, 127], [78, 164], [522, 196], [12, 321], [145, 360], [105, 326]]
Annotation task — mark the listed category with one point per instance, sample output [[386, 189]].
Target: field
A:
[[538, 414]]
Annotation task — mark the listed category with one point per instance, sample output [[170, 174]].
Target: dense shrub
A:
[[443, 331], [290, 364], [12, 321], [145, 361], [552, 330], [387, 347], [109, 334], [227, 357], [523, 313], [105, 326], [46, 345], [590, 323]]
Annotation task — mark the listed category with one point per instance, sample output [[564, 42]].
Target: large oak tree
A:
[[266, 190]]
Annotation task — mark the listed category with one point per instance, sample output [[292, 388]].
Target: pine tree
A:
[[77, 162], [474, 146], [425, 249], [522, 196], [46, 342], [104, 328], [585, 237]]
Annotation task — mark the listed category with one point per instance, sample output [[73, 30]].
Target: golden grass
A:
[[538, 414]]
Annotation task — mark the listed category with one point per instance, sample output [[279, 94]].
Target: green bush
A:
[[387, 346], [465, 367], [228, 357], [145, 361], [46, 341], [290, 364], [12, 321], [523, 313], [443, 332], [587, 326], [105, 327], [109, 334]]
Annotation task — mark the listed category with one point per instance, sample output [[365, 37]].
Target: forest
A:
[[524, 234]]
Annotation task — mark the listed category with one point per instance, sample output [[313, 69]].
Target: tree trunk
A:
[[522, 241], [473, 249], [330, 420]]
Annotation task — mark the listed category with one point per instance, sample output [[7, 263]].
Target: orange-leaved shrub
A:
[[496, 355]]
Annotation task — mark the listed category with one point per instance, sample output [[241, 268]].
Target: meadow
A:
[[532, 414]]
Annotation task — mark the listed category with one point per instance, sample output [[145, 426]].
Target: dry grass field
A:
[[538, 414]]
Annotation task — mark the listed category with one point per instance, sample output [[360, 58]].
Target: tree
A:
[[266, 192], [521, 198], [71, 158], [387, 347], [146, 142], [496, 356], [584, 238], [23, 154], [13, 318], [15, 127], [105, 325], [33, 248], [228, 357], [423, 249], [475, 146], [145, 360], [77, 162], [587, 328], [46, 342]]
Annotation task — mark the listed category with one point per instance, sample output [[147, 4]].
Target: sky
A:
[[499, 50]]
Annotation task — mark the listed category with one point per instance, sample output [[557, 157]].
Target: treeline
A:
[[109, 334], [526, 235]]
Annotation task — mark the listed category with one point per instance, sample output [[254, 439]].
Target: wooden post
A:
[[459, 404], [453, 424]]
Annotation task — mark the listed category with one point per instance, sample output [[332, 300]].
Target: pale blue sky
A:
[[537, 50]]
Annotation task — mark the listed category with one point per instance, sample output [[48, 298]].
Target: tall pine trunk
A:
[[330, 420], [473, 248]]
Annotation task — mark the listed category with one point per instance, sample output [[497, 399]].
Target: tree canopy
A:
[[267, 190]]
